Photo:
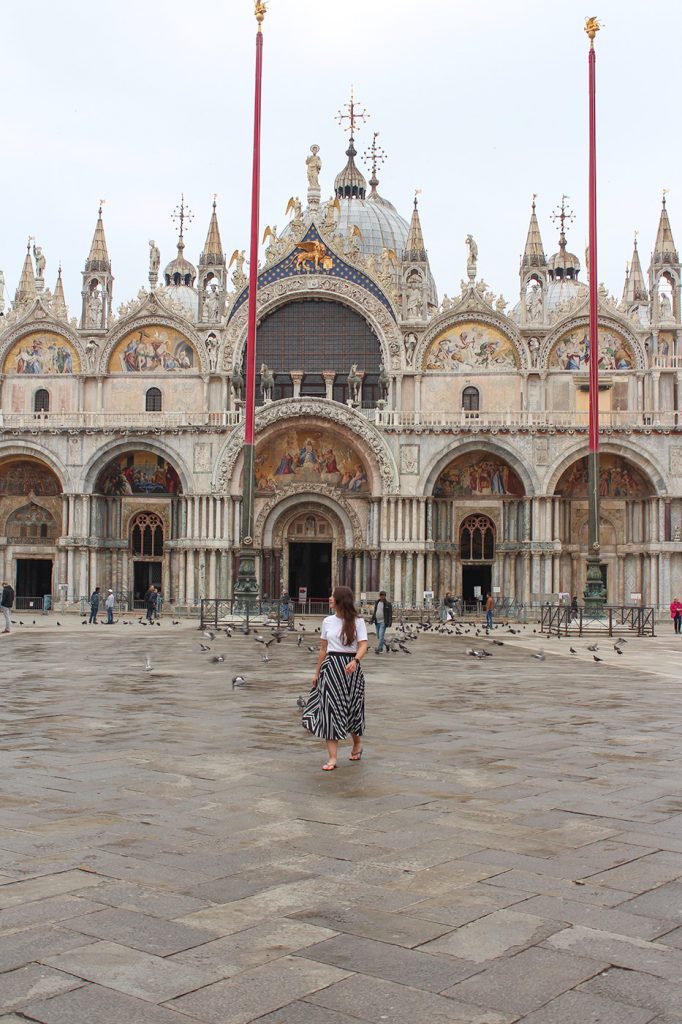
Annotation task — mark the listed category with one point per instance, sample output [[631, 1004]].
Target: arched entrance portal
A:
[[477, 552], [146, 549], [309, 541]]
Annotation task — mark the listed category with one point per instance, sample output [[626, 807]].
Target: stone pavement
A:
[[509, 848]]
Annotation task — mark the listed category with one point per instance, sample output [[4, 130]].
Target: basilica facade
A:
[[404, 441]]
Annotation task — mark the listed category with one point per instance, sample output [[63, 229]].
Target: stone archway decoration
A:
[[291, 514], [45, 327], [607, 325], [153, 313], [334, 497], [292, 408]]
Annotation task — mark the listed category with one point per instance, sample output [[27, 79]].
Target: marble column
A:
[[296, 380], [189, 576], [329, 378]]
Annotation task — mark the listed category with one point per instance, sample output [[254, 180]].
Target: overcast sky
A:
[[479, 104]]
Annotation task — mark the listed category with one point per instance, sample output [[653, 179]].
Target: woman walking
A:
[[340, 684]]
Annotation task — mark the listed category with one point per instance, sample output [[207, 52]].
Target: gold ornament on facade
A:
[[313, 256], [592, 26]]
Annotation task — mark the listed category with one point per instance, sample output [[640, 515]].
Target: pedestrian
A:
[[675, 614], [109, 605], [382, 618], [574, 608], [448, 606], [489, 605], [6, 602], [284, 607], [339, 685], [150, 599], [94, 606]]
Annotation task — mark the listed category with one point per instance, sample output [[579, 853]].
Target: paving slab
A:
[[184, 838], [35, 981], [573, 1007]]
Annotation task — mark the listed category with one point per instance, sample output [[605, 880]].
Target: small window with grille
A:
[[41, 400], [470, 399], [153, 401]]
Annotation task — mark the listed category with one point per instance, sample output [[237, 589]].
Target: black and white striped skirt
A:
[[336, 706]]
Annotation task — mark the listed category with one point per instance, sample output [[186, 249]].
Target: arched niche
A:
[[153, 349], [571, 351], [310, 454], [618, 478], [42, 353], [32, 522], [478, 474], [471, 345], [138, 472], [20, 475]]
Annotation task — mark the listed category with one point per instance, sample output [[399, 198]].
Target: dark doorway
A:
[[604, 570], [476, 576], [34, 580], [146, 573], [310, 565]]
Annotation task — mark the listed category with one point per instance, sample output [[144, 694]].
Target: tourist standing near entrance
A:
[[94, 606], [6, 602], [676, 614], [109, 605], [489, 605], [336, 706], [151, 600], [382, 618]]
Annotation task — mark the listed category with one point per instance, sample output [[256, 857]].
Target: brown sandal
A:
[[356, 756]]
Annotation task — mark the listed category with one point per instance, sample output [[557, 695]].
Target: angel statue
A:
[[237, 384], [40, 261], [238, 277], [354, 381], [154, 258]]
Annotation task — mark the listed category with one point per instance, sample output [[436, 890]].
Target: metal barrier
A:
[[34, 604], [216, 611], [562, 620]]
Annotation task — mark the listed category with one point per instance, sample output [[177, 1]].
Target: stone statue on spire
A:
[[154, 263], [472, 257], [314, 165]]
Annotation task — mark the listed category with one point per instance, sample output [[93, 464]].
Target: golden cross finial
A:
[[534, 197], [563, 214], [182, 213], [356, 116], [374, 155], [417, 192], [101, 204], [31, 238]]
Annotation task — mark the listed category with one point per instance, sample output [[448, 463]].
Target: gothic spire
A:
[[59, 307], [534, 253], [415, 249], [664, 249], [635, 290], [213, 247], [27, 282], [98, 260]]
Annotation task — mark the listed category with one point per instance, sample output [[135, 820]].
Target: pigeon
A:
[[312, 649], [58, 622], [621, 640], [499, 643], [238, 681], [208, 634], [300, 703], [158, 624], [228, 632], [259, 639], [34, 622], [204, 647], [147, 664], [572, 650], [617, 649], [596, 658], [84, 622], [473, 653], [593, 647], [299, 641], [265, 656], [218, 659], [540, 655], [176, 622]]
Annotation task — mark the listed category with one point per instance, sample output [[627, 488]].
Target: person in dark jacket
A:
[[94, 606], [6, 602], [152, 600], [382, 617]]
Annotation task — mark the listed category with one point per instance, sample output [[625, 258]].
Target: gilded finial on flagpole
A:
[[260, 12], [592, 26]]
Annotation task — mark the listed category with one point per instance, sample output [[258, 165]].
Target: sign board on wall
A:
[[302, 595]]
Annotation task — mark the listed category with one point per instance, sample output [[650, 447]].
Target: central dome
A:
[[381, 225]]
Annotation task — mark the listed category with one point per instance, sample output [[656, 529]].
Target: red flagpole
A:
[[594, 309], [595, 595], [253, 266]]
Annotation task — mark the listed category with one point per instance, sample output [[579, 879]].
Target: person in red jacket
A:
[[676, 614]]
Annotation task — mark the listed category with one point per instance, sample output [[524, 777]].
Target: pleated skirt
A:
[[336, 706]]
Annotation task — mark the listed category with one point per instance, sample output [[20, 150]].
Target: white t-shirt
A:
[[331, 632]]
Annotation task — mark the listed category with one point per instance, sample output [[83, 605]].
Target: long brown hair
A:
[[344, 602]]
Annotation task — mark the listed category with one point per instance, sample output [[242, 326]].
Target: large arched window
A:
[[153, 400], [146, 535], [471, 399], [316, 337], [477, 539], [41, 400]]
